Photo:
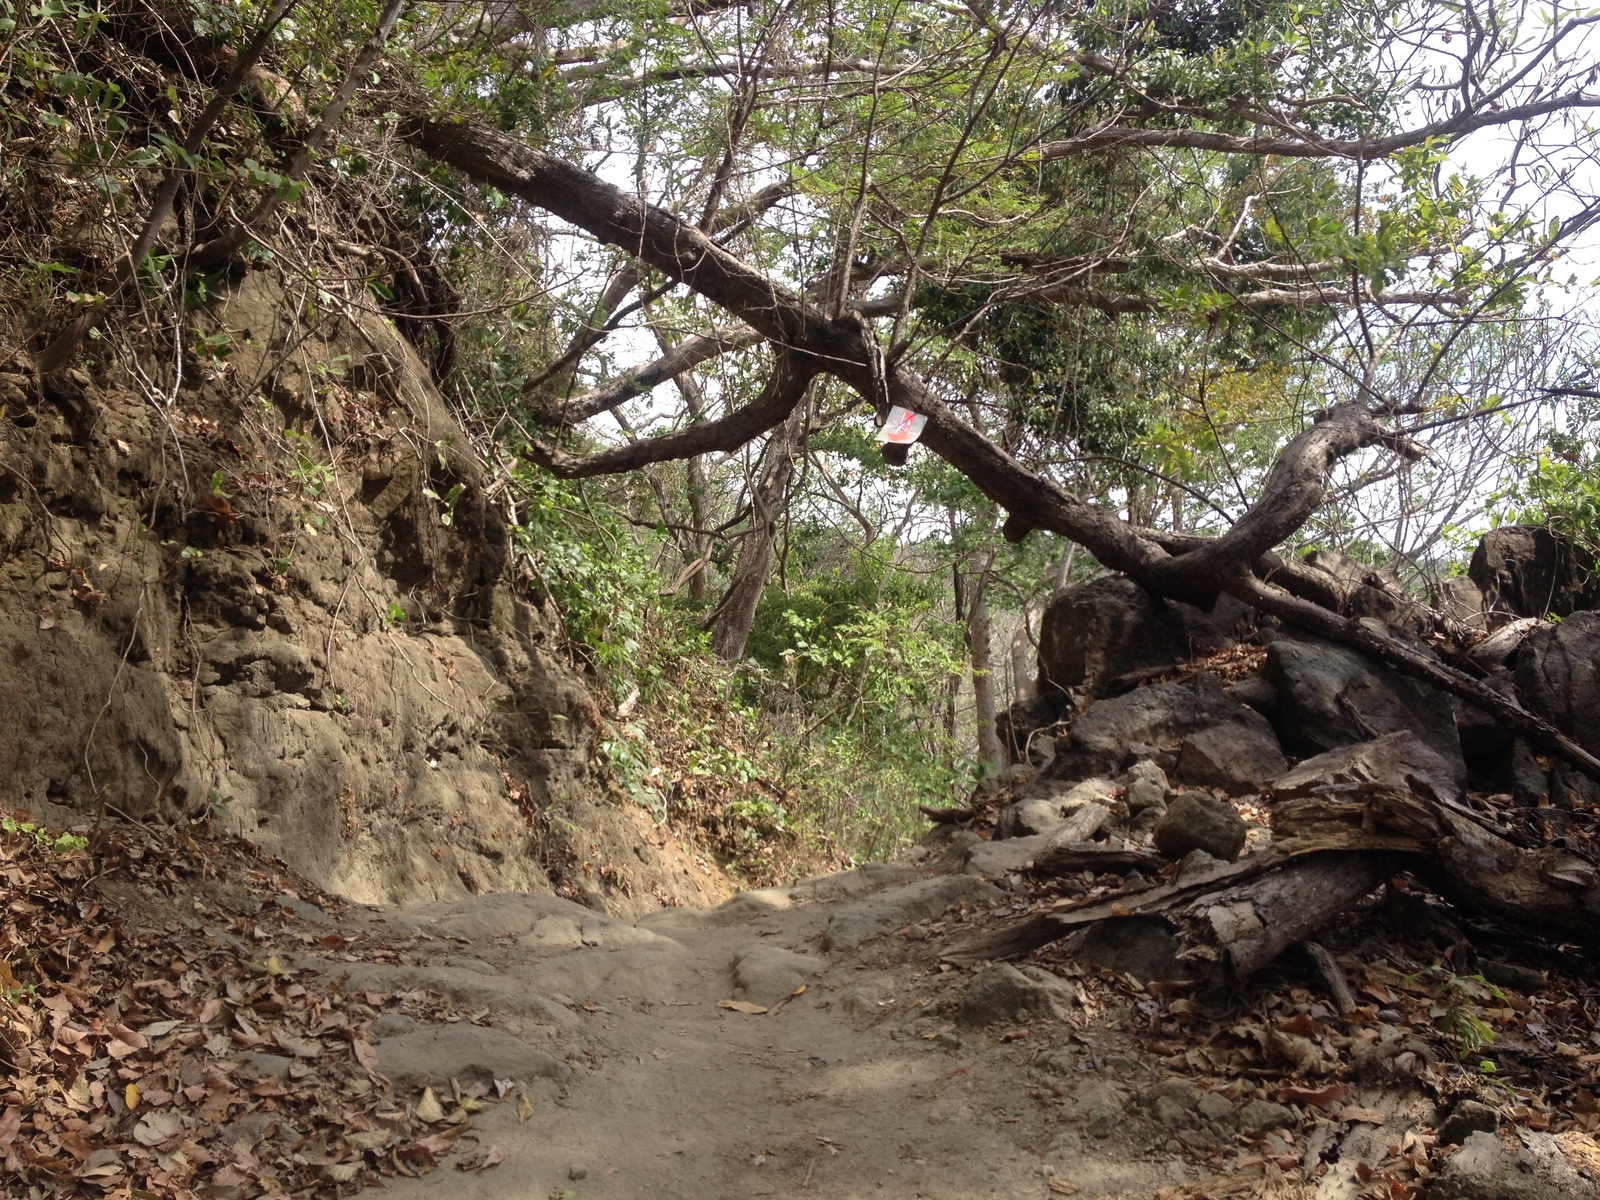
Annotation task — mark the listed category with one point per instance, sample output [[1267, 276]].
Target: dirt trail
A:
[[864, 1084]]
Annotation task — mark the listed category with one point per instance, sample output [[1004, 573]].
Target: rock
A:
[[1197, 821], [1082, 825], [1397, 760], [1144, 786], [1141, 947], [997, 859], [1240, 755], [1330, 696], [1462, 601], [1528, 571], [1214, 1107], [1002, 993], [851, 924], [577, 1171], [1020, 727], [1028, 818], [766, 974], [1468, 1117], [1263, 1115], [1100, 637], [1558, 674], [1098, 1103], [1255, 692], [300, 908], [1035, 815], [1483, 1169], [432, 1055], [1115, 732], [1194, 863], [1172, 1102]]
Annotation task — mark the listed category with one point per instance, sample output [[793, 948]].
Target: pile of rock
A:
[[1101, 643]]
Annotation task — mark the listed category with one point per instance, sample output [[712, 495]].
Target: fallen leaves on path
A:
[[180, 1060]]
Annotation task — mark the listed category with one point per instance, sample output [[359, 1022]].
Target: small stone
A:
[[1214, 1107], [1263, 1115], [577, 1171], [1002, 993], [1467, 1118], [1196, 821], [1195, 862], [948, 1041], [1144, 786]]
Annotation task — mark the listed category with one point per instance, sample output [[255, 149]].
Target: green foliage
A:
[[56, 843]]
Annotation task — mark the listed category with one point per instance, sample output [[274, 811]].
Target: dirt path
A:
[[864, 1084]]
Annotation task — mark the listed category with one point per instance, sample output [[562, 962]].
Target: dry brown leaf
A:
[[130, 1096], [491, 1156], [1367, 1116], [524, 1107], [428, 1108], [743, 1006]]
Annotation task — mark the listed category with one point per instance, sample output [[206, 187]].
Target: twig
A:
[[1332, 975]]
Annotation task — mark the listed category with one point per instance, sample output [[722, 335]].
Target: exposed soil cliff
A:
[[266, 581]]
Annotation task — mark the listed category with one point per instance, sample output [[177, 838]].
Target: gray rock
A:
[[1399, 760], [1002, 993], [1194, 863], [1468, 1117], [1144, 786], [302, 909], [1197, 821], [1142, 947], [1263, 1115], [1214, 1107], [1028, 818], [1240, 755], [997, 859], [1528, 571], [851, 924], [1483, 1169], [1558, 674], [1330, 696], [1255, 692], [577, 1171], [1098, 1103], [1099, 637], [1163, 714], [1172, 1103], [432, 1055], [500, 914], [1461, 600], [766, 974]]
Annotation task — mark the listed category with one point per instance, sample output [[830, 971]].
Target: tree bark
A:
[[769, 499], [979, 635]]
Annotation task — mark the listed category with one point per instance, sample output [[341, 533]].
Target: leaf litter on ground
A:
[[156, 1047]]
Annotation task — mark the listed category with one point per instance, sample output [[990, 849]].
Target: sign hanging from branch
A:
[[903, 426]]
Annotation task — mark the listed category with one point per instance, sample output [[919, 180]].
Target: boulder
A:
[[1496, 650], [1397, 760], [1002, 993], [1358, 589], [1115, 731], [1528, 571], [874, 916], [1330, 696], [1197, 821], [1240, 755], [1101, 638], [1558, 675]]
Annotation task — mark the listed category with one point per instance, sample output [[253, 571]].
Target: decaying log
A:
[[1231, 920], [1067, 857]]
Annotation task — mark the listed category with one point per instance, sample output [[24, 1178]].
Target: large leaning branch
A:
[[846, 348], [689, 353]]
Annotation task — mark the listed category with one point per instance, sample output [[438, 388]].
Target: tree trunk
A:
[[768, 499], [978, 637]]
